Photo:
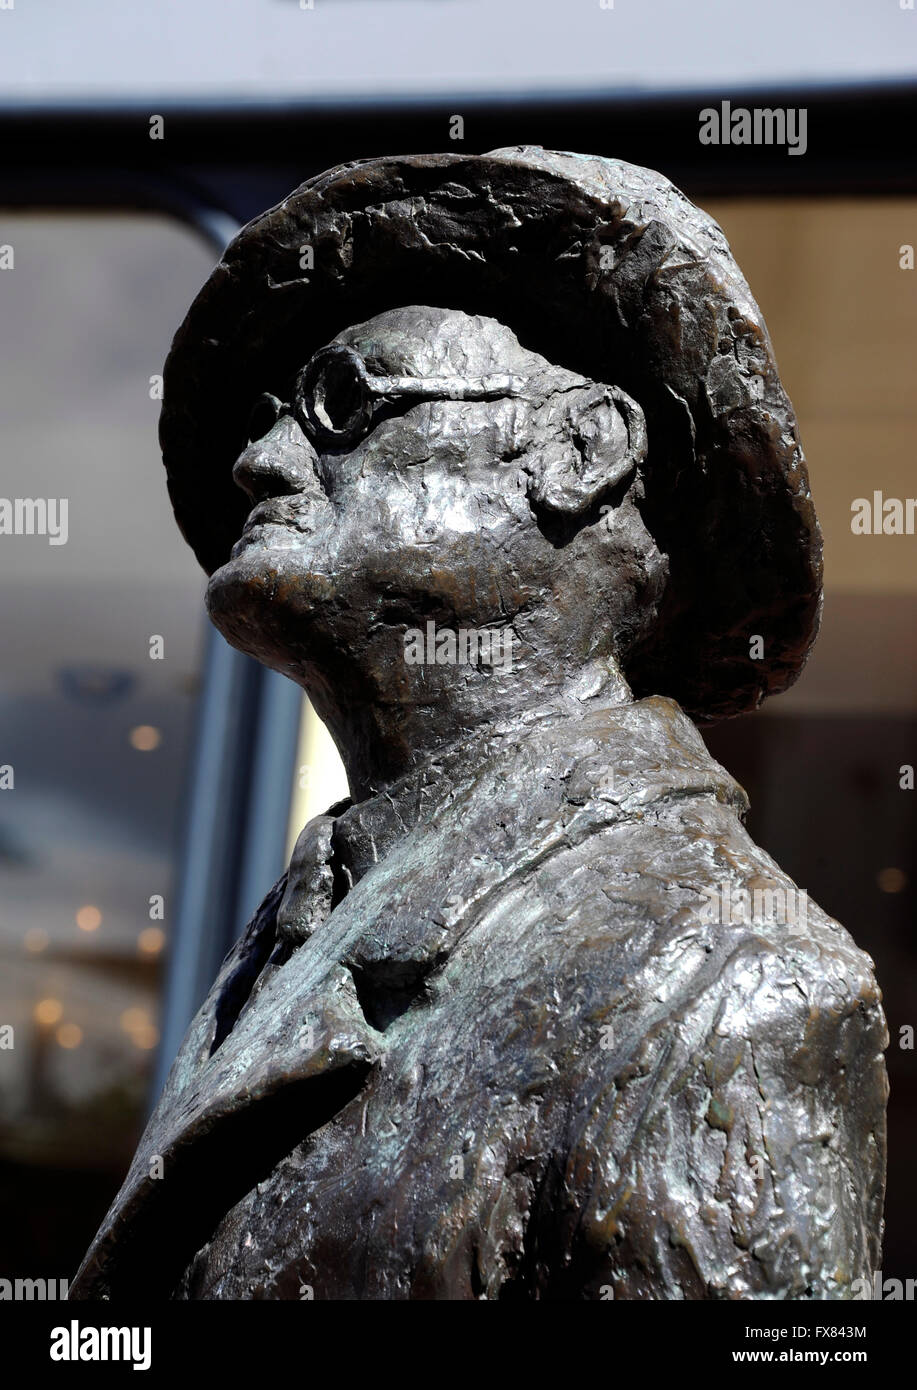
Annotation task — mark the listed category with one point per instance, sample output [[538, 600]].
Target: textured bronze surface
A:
[[502, 1030]]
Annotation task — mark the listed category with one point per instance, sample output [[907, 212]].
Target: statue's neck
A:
[[447, 716]]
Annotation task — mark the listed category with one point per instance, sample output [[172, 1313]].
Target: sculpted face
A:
[[378, 505]]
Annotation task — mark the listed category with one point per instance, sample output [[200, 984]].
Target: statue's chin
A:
[[271, 605]]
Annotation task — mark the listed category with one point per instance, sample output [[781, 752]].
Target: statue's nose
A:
[[282, 462]]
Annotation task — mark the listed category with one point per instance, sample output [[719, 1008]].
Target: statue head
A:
[[426, 468], [523, 394]]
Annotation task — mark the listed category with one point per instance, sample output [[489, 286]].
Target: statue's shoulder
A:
[[802, 995], [733, 1097], [684, 940], [745, 949]]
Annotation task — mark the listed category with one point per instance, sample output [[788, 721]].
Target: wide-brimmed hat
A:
[[602, 267]]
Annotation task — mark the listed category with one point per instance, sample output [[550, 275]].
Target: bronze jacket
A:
[[485, 1041]]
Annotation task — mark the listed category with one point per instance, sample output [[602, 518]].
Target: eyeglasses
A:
[[336, 400]]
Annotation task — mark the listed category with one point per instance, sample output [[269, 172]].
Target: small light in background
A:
[[35, 940], [69, 1035], [89, 918], [891, 880], [145, 738], [140, 1028], [135, 1018], [151, 941], [145, 1038], [48, 1012]]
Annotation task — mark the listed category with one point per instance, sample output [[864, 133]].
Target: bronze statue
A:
[[490, 454]]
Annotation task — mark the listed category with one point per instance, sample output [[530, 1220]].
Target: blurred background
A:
[[158, 779]]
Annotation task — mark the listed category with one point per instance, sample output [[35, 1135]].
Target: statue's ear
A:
[[600, 441]]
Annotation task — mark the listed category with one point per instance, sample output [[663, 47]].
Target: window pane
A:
[[826, 764], [95, 712]]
